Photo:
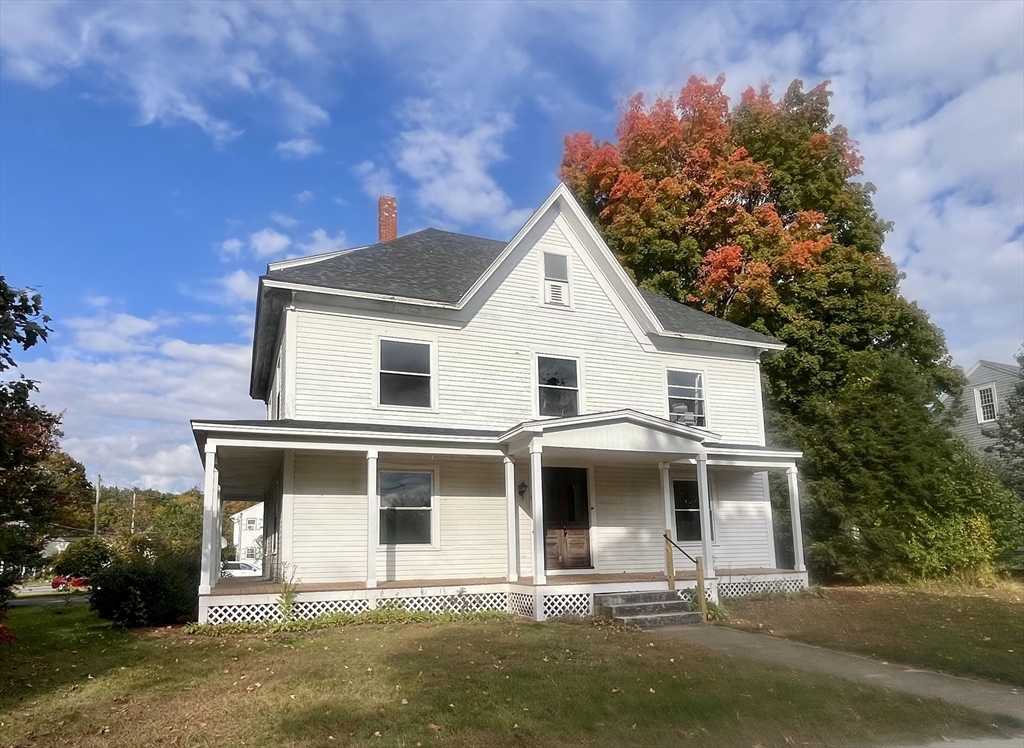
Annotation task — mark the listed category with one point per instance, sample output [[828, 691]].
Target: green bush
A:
[[84, 558], [147, 592]]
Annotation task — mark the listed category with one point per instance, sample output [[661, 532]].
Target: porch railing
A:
[[670, 570]]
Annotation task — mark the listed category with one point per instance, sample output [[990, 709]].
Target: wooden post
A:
[[670, 567], [702, 601]]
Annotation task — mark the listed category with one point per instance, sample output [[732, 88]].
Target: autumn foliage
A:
[[688, 210]]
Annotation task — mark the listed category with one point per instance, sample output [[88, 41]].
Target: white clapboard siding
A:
[[329, 536], [742, 521], [485, 375], [629, 519], [473, 539]]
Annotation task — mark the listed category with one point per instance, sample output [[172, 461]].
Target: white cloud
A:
[[376, 180], [238, 286], [305, 196], [298, 148], [110, 332], [231, 248], [175, 61], [321, 243], [268, 242], [126, 412], [283, 220], [451, 166]]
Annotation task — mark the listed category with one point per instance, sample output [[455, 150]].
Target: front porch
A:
[[534, 521]]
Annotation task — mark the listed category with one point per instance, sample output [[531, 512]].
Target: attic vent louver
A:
[[556, 292]]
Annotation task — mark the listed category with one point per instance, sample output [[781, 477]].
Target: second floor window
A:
[[686, 398], [556, 279], [986, 402], [559, 392], [405, 373], [250, 524]]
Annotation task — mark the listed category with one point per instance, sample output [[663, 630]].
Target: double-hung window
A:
[[250, 553], [250, 524], [686, 403], [558, 390], [405, 373], [406, 503], [985, 402], [687, 510]]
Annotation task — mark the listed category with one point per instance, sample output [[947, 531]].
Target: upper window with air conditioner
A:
[[556, 279]]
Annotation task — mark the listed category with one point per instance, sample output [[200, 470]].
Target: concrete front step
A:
[[642, 609], [646, 609], [660, 619], [630, 598]]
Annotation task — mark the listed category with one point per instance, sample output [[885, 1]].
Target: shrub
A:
[[147, 592], [83, 559]]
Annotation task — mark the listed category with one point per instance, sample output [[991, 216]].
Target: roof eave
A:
[[327, 291]]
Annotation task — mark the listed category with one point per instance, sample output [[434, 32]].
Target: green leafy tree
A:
[[179, 522], [28, 438], [73, 493], [83, 558]]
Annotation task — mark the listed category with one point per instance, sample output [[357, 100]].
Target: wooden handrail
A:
[[670, 570]]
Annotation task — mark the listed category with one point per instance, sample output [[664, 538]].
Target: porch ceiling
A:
[[246, 472]]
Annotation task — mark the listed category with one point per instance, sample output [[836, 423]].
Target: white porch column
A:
[[670, 500], [372, 518], [794, 515], [210, 570], [286, 522], [512, 520], [704, 495], [537, 511]]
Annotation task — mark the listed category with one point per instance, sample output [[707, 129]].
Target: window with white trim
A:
[[556, 279], [558, 387], [250, 553], [687, 510], [405, 373], [406, 503], [250, 524], [686, 403], [985, 402]]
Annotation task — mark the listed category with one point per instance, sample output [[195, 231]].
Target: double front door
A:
[[566, 518]]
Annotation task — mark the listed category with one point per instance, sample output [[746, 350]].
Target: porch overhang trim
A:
[[547, 425]]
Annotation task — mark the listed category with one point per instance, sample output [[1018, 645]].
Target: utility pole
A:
[[132, 531], [96, 509]]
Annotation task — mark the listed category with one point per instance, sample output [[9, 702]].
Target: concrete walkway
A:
[[982, 696]]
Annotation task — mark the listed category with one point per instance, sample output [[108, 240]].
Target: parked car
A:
[[239, 569]]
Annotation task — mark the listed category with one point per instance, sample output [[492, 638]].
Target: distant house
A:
[[247, 534], [515, 424], [989, 386]]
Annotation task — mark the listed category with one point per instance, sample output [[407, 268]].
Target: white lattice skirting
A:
[[760, 587]]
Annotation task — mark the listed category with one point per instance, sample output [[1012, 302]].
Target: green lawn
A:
[[957, 629], [72, 680]]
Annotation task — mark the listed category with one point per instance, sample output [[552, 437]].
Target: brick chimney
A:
[[387, 218]]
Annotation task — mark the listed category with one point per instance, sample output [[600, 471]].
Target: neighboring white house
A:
[[247, 534], [515, 423], [989, 386]]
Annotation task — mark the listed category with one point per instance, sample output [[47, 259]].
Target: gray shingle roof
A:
[[431, 265], [676, 317]]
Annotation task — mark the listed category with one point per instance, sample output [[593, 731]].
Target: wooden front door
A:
[[566, 518]]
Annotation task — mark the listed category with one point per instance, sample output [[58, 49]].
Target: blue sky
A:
[[155, 156]]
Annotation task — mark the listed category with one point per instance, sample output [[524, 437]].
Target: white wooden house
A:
[[514, 425], [247, 534], [989, 386]]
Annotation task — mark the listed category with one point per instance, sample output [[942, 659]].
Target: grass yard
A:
[[74, 681], [954, 628]]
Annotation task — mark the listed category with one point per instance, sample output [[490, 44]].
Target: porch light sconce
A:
[[522, 489]]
